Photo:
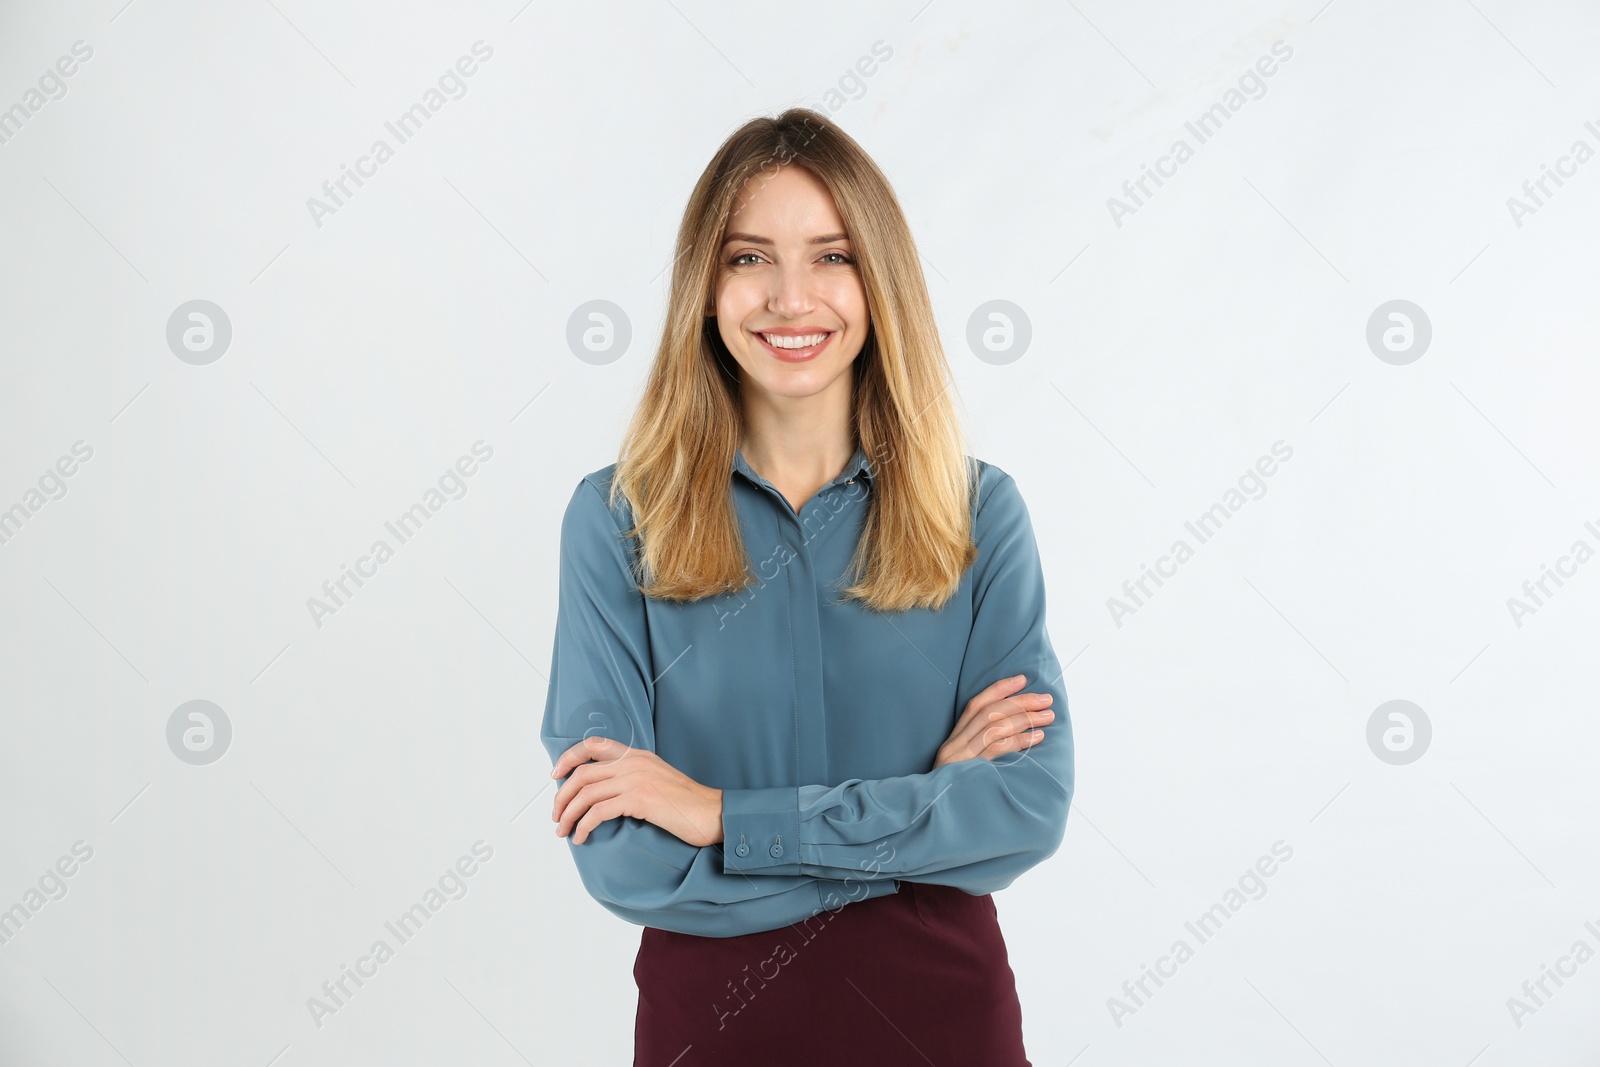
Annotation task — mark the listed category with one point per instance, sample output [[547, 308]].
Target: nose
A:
[[791, 291]]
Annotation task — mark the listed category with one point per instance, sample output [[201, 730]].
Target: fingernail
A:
[[1019, 677]]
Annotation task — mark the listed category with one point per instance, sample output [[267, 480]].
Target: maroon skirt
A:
[[917, 977]]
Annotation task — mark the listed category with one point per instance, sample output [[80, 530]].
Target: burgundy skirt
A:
[[917, 977]]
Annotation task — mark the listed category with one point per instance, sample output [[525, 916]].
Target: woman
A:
[[795, 625]]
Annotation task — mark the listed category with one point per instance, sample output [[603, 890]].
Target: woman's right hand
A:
[[997, 721]]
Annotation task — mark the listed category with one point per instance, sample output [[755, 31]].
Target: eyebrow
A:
[[750, 238]]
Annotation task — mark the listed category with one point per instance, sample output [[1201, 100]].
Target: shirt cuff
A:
[[761, 830]]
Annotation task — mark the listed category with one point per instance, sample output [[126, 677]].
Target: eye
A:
[[843, 259], [734, 262]]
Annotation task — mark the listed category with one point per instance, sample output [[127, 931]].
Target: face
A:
[[787, 277]]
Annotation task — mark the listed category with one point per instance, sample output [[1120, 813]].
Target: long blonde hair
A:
[[678, 451]]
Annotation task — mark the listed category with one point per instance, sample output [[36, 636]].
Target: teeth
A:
[[794, 342]]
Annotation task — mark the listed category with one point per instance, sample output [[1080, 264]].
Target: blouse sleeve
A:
[[976, 824], [601, 683]]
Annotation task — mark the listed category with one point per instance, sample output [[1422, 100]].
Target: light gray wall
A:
[[1177, 334]]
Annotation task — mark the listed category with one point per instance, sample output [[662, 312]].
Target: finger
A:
[[1019, 709], [1016, 715], [590, 748], [579, 778], [582, 775], [1014, 740], [596, 747], [1007, 732], [1021, 721], [581, 802], [999, 746], [1005, 728], [573, 756], [596, 815], [988, 695], [1003, 704], [1000, 714], [983, 729], [995, 690], [1014, 743]]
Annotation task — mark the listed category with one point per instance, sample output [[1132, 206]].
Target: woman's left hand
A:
[[609, 779]]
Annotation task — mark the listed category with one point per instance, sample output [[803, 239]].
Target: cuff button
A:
[[777, 850], [743, 850]]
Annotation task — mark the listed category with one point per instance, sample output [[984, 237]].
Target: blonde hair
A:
[[678, 451]]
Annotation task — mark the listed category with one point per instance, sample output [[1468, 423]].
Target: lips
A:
[[795, 355]]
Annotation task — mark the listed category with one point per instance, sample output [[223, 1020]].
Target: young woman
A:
[[796, 623]]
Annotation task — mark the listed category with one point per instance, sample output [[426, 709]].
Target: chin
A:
[[799, 382], [792, 390]]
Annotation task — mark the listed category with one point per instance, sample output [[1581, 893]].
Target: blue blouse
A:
[[818, 719]]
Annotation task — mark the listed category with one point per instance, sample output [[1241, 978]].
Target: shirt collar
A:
[[858, 465]]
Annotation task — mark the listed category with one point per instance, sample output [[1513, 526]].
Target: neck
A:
[[799, 439]]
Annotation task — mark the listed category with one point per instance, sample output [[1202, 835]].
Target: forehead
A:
[[792, 204]]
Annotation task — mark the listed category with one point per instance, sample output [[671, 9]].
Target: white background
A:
[[1168, 353]]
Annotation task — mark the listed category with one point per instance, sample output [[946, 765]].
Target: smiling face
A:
[[789, 301]]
